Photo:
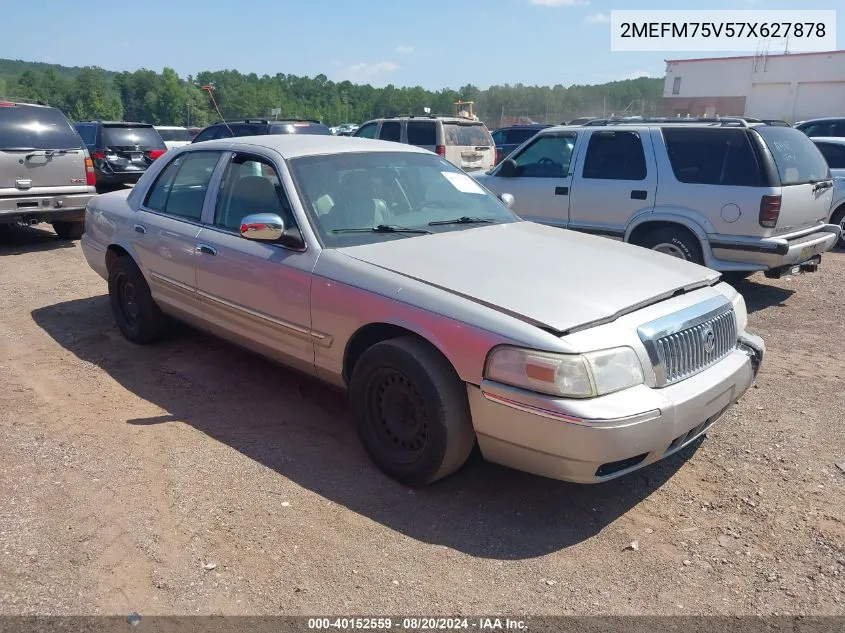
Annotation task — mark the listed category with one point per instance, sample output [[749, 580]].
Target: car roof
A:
[[839, 140], [127, 123], [428, 117], [820, 119], [169, 127], [296, 145]]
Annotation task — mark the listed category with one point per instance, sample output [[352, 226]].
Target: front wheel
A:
[[674, 242], [69, 230], [838, 218], [411, 411], [135, 311]]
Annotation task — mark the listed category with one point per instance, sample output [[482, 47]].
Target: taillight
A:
[[157, 153], [440, 150], [98, 155], [769, 211], [90, 176]]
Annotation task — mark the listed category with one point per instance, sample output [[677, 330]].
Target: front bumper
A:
[[590, 441], [777, 252]]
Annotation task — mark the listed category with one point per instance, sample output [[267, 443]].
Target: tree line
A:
[[165, 98]]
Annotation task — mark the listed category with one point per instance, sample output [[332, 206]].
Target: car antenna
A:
[[210, 90]]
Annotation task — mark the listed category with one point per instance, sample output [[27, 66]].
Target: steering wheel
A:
[[545, 161]]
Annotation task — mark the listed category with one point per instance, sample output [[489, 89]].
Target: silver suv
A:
[[46, 174], [734, 196], [465, 143]]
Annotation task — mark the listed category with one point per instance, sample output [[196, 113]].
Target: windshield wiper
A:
[[464, 220], [382, 228]]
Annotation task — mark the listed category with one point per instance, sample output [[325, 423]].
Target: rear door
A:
[[616, 178], [130, 147], [806, 183], [40, 152], [469, 145]]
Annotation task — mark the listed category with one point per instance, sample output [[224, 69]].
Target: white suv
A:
[[734, 196], [463, 142]]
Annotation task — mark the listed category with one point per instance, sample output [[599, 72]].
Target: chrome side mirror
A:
[[507, 199], [263, 227]]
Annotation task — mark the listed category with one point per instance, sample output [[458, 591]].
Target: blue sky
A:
[[433, 43]]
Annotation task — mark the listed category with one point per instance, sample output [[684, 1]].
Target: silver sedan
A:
[[384, 270]]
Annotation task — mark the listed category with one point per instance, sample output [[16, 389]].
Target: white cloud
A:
[[404, 50], [597, 18], [363, 72], [559, 3]]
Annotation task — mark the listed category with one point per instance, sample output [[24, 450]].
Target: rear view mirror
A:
[[508, 169], [507, 199], [263, 227]]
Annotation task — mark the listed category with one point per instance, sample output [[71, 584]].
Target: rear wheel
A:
[[411, 411], [676, 242], [69, 230], [838, 218], [135, 311]]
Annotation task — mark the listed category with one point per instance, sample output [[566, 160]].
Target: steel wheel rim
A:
[[398, 416], [128, 300], [670, 249]]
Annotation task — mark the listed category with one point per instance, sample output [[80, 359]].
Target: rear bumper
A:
[[776, 252], [45, 208], [576, 440]]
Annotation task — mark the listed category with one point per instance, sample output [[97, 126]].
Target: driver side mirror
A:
[[262, 227], [507, 199], [508, 169]]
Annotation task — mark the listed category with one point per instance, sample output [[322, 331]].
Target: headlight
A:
[[566, 375], [741, 313]]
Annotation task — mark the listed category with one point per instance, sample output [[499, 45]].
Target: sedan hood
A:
[[553, 278]]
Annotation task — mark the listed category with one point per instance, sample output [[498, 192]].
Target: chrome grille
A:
[[685, 343], [690, 351]]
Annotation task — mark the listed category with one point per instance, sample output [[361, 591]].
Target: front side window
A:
[[499, 137], [367, 131], [181, 187], [834, 154], [712, 157], [615, 156], [549, 156], [210, 133], [798, 159], [250, 185], [174, 134], [823, 128], [390, 131], [346, 195]]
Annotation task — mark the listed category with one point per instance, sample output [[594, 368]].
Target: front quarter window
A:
[[347, 195]]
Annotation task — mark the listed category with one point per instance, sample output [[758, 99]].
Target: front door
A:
[[165, 229], [615, 180], [255, 293], [541, 186]]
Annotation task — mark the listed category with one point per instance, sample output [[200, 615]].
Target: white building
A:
[[791, 87]]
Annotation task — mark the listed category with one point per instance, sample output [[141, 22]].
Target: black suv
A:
[[121, 151], [509, 138], [260, 127]]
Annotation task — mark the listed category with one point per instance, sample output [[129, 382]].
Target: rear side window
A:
[[131, 136], [367, 131], [247, 129], [180, 189], [36, 128], [712, 157], [833, 153], [88, 134], [467, 134], [422, 133], [615, 156], [390, 131], [798, 159], [174, 135]]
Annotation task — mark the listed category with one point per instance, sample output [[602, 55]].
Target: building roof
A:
[[295, 145], [710, 59]]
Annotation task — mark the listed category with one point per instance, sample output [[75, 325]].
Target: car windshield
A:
[[174, 134], [30, 127], [124, 135], [797, 158], [400, 190]]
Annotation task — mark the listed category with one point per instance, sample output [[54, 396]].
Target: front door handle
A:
[[639, 194], [140, 228], [205, 249], [561, 191]]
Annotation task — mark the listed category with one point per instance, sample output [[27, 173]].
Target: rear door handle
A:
[[140, 228], [561, 191], [639, 194], [205, 249]]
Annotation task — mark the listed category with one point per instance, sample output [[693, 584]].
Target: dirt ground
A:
[[193, 477]]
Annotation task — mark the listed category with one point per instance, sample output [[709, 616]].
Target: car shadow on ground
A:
[[19, 239], [303, 430], [759, 294]]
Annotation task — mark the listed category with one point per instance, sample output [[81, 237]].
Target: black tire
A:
[[69, 230], [411, 411], [136, 313], [838, 217], [684, 243]]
